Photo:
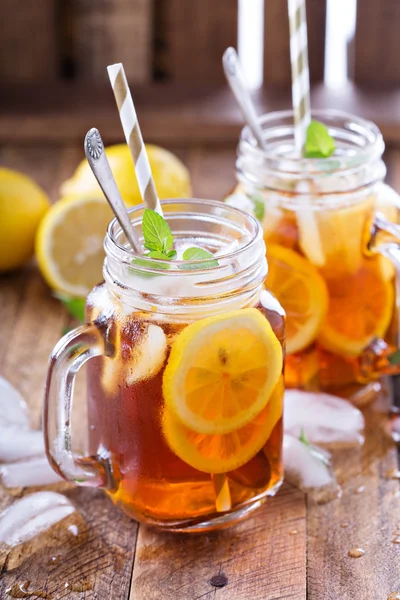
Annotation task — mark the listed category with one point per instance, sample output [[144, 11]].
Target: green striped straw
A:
[[300, 71]]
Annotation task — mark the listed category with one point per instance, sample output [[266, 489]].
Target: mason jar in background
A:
[[332, 258]]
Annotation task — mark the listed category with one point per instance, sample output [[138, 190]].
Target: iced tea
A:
[[128, 417], [185, 377], [318, 217]]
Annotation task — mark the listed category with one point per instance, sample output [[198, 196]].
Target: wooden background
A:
[[53, 55], [53, 88]]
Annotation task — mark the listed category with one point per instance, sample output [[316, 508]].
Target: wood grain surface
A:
[[277, 69], [377, 43], [112, 558], [173, 115]]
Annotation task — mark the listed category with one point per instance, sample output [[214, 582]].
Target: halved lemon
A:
[[360, 309], [221, 371], [302, 292], [171, 177], [69, 244], [229, 451]]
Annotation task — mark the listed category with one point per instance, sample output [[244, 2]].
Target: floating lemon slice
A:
[[229, 451], [302, 292], [360, 309], [221, 371], [333, 238]]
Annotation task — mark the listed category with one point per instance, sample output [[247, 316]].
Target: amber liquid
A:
[[150, 482], [352, 275]]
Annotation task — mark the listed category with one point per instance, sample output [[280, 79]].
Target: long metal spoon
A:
[[98, 162], [237, 82]]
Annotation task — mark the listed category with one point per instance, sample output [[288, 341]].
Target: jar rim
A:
[[124, 254], [371, 144]]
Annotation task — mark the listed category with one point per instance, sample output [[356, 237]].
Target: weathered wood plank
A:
[[377, 43], [261, 559], [175, 116], [212, 172], [277, 69], [101, 555], [28, 41], [192, 37], [367, 516], [102, 33]]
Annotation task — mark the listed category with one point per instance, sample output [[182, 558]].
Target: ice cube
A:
[[305, 466], [33, 472], [325, 419], [13, 408], [148, 355], [242, 201], [269, 302], [18, 444], [32, 515]]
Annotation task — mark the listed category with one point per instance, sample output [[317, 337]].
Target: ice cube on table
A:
[[18, 444], [324, 418], [32, 515], [13, 408], [305, 466], [28, 473]]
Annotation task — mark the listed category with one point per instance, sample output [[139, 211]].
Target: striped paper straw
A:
[[133, 136], [300, 71]]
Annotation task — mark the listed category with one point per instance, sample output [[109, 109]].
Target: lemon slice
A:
[[229, 451], [221, 371], [333, 238], [69, 244], [302, 292], [360, 309]]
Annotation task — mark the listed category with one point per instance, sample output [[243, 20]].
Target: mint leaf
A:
[[75, 306], [156, 232], [319, 144], [199, 254], [394, 358], [303, 438], [258, 208]]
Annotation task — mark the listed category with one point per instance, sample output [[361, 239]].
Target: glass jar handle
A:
[[385, 240], [69, 354]]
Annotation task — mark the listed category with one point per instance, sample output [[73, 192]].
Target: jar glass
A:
[[332, 254], [151, 324]]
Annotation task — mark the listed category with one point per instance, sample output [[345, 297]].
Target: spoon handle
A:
[[98, 162], [237, 82]]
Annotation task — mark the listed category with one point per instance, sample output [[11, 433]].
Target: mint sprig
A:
[[258, 208], [303, 438], [75, 306], [319, 144], [200, 254], [157, 234], [159, 241]]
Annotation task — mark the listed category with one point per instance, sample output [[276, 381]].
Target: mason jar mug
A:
[[184, 368]]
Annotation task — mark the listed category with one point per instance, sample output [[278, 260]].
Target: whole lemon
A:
[[170, 175], [22, 205]]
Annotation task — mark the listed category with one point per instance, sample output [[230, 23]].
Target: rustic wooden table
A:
[[290, 549]]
